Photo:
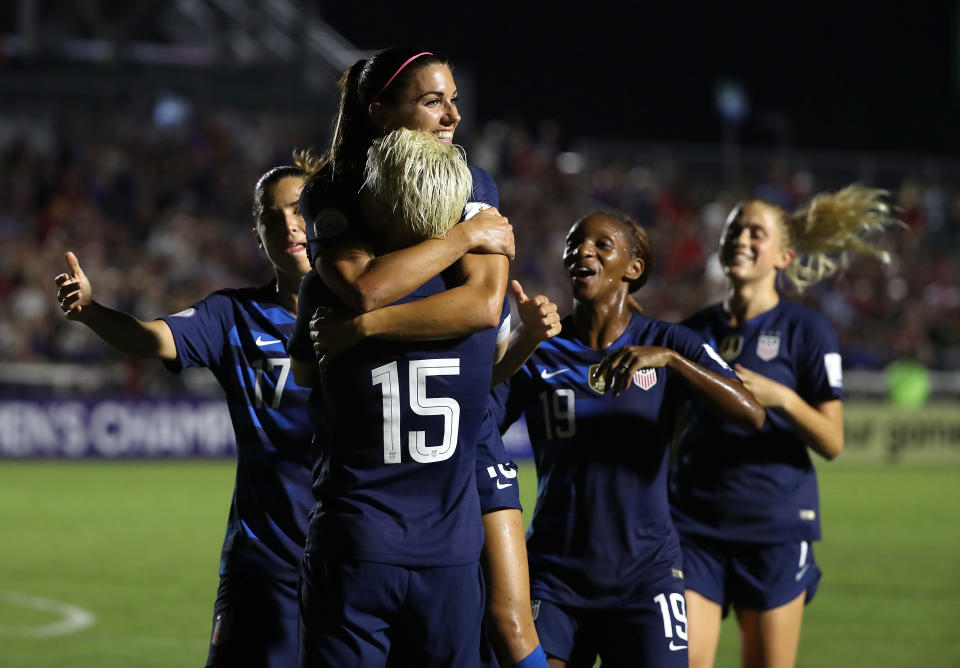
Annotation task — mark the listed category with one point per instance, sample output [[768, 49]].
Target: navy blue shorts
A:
[[364, 614], [650, 633], [254, 623], [753, 576]]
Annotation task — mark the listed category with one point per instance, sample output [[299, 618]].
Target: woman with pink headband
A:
[[415, 89]]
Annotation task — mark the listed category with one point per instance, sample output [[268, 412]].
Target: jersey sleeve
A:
[[200, 332], [692, 346], [300, 346], [484, 188], [819, 365], [509, 397], [503, 333], [496, 473]]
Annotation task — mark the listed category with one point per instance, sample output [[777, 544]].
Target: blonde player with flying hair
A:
[[746, 505]]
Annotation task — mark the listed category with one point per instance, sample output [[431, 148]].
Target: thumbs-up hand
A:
[[538, 315], [74, 291]]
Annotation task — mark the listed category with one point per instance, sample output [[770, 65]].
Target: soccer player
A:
[[414, 89], [394, 545], [241, 336], [745, 503], [601, 402]]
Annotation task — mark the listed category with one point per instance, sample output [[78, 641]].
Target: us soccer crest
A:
[[645, 378], [768, 346], [730, 347], [597, 383]]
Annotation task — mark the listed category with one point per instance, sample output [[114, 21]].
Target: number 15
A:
[[388, 377]]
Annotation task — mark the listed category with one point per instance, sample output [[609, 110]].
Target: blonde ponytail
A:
[[306, 160], [830, 227]]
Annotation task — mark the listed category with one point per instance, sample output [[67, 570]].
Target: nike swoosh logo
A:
[[550, 374], [675, 648], [801, 573], [266, 342], [501, 486]]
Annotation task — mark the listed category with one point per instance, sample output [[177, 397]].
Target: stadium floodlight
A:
[[732, 101]]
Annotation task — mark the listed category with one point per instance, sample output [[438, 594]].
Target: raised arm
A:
[[366, 282], [123, 332], [539, 321], [725, 397]]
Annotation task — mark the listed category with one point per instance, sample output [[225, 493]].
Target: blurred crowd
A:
[[159, 215]]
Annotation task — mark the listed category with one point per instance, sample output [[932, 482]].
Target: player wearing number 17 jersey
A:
[[241, 335], [600, 402]]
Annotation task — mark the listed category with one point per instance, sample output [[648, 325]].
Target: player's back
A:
[[398, 483]]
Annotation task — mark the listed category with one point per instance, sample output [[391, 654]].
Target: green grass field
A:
[[137, 545]]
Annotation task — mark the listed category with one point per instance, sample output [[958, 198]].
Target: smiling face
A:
[[751, 246], [427, 102], [599, 258], [280, 228]]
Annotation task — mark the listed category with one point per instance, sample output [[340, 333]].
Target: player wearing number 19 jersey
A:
[[600, 401]]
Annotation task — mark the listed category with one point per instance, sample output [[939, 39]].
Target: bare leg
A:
[[509, 617], [769, 638], [703, 624]]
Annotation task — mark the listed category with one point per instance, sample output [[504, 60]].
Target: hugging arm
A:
[[365, 281]]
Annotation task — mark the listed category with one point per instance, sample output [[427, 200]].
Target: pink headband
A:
[[400, 69]]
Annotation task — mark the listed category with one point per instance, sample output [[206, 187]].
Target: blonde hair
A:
[[423, 181], [824, 232], [306, 160]]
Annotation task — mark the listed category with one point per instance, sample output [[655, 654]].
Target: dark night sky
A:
[[847, 75]]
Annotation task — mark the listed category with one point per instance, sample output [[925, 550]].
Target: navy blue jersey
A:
[[398, 480], [601, 533], [732, 483], [496, 472], [241, 336]]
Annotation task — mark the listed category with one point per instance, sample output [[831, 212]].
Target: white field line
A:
[[73, 618]]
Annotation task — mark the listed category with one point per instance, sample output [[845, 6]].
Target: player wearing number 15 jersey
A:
[[391, 566], [600, 402]]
